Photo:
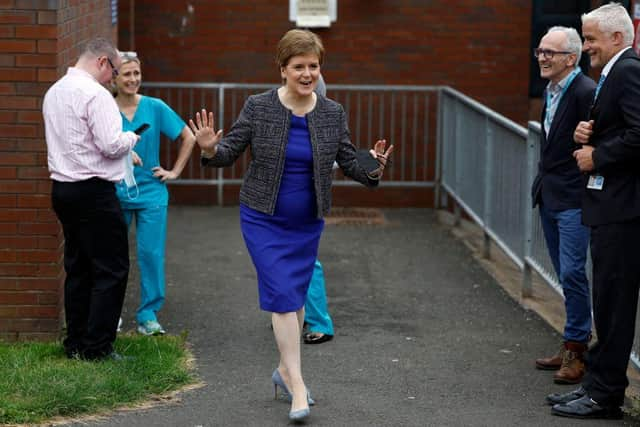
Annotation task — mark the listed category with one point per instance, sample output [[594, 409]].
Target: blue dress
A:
[[284, 246]]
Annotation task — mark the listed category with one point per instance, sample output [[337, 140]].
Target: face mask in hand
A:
[[129, 177]]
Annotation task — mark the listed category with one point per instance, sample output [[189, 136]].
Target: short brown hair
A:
[[298, 42]]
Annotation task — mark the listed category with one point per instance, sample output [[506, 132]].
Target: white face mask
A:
[[129, 178]]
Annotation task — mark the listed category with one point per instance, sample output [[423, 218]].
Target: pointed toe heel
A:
[[299, 415]]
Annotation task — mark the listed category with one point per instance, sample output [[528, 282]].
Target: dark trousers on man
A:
[[616, 280], [96, 260]]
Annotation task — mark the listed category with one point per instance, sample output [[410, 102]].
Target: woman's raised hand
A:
[[206, 137], [381, 155]]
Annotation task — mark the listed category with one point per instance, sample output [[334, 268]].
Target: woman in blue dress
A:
[[147, 201], [294, 136]]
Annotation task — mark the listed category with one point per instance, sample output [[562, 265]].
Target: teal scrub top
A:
[[162, 120]]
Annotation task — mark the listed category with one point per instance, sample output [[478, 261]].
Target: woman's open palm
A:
[[206, 137]]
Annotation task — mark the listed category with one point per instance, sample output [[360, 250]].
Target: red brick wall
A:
[[479, 47], [38, 40]]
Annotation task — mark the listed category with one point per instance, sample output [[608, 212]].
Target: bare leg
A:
[[286, 329]]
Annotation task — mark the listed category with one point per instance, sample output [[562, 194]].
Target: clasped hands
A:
[[584, 155]]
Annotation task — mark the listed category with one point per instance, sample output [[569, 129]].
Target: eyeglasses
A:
[[548, 53], [114, 70]]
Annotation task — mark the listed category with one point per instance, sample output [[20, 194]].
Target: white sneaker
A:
[[150, 327], [119, 325]]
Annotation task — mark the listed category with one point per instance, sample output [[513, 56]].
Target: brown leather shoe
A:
[[572, 369], [552, 363]]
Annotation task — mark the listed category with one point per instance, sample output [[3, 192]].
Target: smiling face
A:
[[561, 64], [600, 46], [129, 78], [301, 74]]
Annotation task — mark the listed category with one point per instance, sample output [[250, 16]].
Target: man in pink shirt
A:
[[86, 153]]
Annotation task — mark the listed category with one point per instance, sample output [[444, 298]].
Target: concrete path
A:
[[424, 336]]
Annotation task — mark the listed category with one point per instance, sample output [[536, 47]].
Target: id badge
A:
[[596, 182]]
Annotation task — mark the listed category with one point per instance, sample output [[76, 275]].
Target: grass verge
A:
[[39, 382]]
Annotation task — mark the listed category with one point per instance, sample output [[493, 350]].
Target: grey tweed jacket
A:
[[263, 125]]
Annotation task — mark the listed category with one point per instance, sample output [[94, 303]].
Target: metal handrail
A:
[[482, 160], [398, 113], [528, 251]]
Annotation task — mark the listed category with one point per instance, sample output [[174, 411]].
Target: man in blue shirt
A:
[[557, 191]]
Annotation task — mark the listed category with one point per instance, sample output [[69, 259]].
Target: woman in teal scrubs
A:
[[316, 312], [147, 200]]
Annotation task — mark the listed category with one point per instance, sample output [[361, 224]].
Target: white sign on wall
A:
[[313, 13]]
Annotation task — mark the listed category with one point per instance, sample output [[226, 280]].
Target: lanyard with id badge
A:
[[596, 182], [552, 102]]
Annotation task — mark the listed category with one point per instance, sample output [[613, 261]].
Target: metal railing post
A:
[[220, 172], [488, 188], [438, 173], [457, 214], [527, 273], [459, 154]]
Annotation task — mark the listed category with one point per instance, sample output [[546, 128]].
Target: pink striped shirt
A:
[[83, 129]]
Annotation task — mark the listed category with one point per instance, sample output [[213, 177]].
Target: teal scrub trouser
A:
[[316, 313], [151, 235]]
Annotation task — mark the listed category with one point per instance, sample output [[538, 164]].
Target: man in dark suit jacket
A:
[[611, 207], [557, 190]]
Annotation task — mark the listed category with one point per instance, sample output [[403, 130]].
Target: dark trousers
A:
[[96, 260], [616, 279]]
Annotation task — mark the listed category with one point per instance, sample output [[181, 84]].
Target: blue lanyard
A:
[[547, 116], [599, 86]]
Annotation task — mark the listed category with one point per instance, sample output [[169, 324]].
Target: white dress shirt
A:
[[612, 61]]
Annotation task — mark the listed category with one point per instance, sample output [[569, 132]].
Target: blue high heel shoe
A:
[[279, 382], [299, 415]]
